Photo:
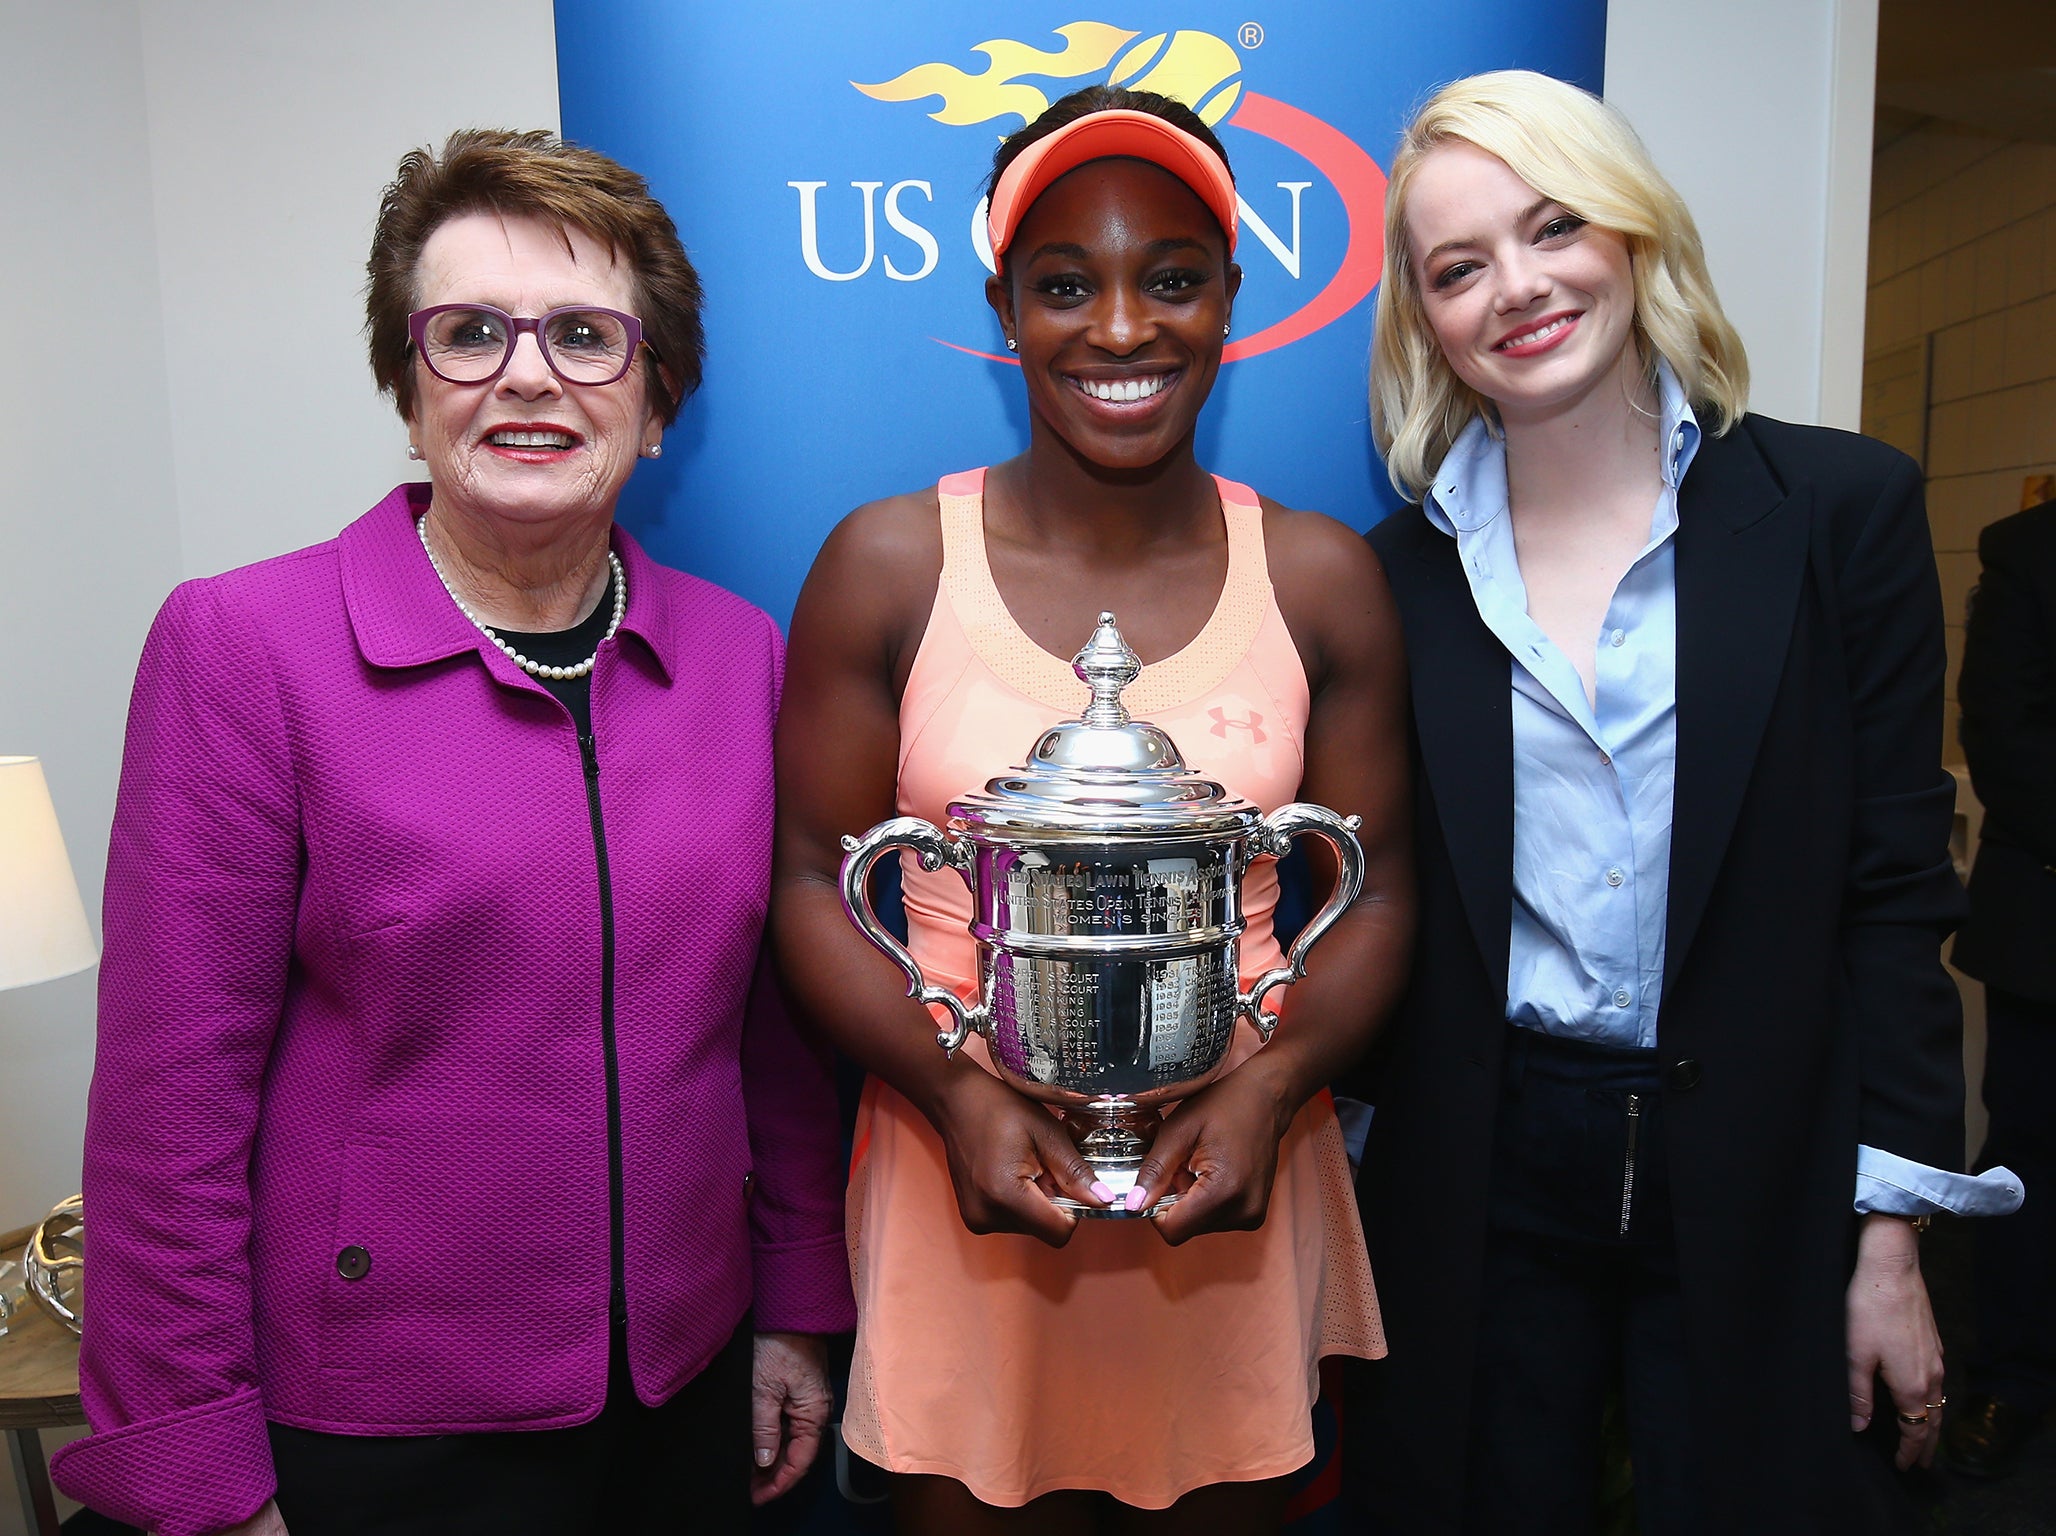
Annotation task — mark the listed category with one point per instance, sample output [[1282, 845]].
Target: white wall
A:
[[88, 517], [273, 129], [184, 179], [1759, 111], [88, 520]]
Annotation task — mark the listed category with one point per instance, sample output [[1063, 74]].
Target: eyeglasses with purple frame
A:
[[515, 325]]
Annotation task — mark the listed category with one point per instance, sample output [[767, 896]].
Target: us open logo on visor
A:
[[1306, 261]]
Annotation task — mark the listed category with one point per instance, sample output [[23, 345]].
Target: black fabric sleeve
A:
[[2007, 691], [1902, 898]]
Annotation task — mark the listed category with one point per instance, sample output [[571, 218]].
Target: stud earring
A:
[[654, 451], [413, 450], [1226, 329], [1013, 345]]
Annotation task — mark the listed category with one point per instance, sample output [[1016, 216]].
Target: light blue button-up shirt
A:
[[1592, 784]]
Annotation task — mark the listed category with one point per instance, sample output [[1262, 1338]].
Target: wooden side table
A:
[[39, 1389]]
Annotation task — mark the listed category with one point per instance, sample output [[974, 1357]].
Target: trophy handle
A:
[[936, 850], [1275, 837]]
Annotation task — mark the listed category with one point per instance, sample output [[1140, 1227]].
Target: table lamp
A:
[[43, 931]]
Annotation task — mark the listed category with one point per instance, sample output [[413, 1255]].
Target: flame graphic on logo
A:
[[1089, 46]]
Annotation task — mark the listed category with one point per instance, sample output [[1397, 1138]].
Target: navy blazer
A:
[[1805, 1007]]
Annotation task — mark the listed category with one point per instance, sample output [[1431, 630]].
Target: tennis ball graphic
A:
[[1197, 68]]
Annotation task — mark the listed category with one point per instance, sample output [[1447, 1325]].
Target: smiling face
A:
[[526, 446], [1533, 307], [1118, 289]]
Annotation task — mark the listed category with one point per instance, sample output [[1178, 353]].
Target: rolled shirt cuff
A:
[[1897, 1186], [803, 1286], [179, 1474]]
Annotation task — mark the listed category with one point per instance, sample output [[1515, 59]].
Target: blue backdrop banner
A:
[[824, 164]]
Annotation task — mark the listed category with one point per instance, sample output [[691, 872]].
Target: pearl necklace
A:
[[532, 668]]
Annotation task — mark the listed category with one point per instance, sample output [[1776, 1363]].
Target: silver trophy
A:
[[1106, 886]]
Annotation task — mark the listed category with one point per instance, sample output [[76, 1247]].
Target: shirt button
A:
[[1614, 877], [353, 1263], [1605, 760], [1621, 999], [1618, 638]]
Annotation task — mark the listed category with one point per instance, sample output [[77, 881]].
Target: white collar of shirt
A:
[[1468, 501], [1470, 486]]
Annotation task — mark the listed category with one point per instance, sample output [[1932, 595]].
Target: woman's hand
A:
[[1218, 1152], [790, 1403], [1892, 1334], [265, 1522], [1007, 1156]]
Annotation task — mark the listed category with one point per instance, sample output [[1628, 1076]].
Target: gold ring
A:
[[1937, 1407], [1913, 1418]]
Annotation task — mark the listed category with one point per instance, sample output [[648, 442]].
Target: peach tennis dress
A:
[[1117, 1362]]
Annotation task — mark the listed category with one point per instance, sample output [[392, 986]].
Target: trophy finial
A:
[[1106, 666]]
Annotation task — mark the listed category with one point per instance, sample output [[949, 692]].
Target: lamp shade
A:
[[43, 932]]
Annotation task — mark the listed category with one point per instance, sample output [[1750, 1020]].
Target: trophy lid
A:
[[1105, 773]]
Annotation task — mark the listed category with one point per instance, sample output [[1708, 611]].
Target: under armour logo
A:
[[1254, 724]]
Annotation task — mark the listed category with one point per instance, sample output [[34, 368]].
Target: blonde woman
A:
[[1679, 1072]]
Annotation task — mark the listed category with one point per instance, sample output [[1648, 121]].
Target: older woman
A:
[[1680, 1067], [442, 1158]]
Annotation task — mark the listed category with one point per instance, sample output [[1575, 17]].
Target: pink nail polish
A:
[[1101, 1193], [1138, 1198]]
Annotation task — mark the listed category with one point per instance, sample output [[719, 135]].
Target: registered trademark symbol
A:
[[1250, 34]]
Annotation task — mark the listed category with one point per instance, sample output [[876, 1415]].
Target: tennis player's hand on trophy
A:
[[1218, 1153], [1008, 1155], [1105, 883]]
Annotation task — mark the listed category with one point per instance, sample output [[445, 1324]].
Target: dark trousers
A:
[[681, 1466], [1581, 1295], [2015, 1357]]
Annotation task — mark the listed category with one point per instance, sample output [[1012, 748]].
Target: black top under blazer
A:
[[1805, 1007], [2007, 690]]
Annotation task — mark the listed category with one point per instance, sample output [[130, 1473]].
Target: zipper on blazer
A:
[[617, 1260], [1628, 1170]]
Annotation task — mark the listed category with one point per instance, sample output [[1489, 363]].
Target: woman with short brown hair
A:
[[447, 1171]]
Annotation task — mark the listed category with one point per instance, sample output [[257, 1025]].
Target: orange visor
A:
[[1100, 136]]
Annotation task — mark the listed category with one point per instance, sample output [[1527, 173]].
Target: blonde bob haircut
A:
[[1574, 149]]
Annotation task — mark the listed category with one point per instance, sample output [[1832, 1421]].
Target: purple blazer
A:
[[351, 999]]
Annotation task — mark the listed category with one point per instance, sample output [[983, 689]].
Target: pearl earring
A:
[[1226, 329], [655, 450], [1013, 345], [413, 450]]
